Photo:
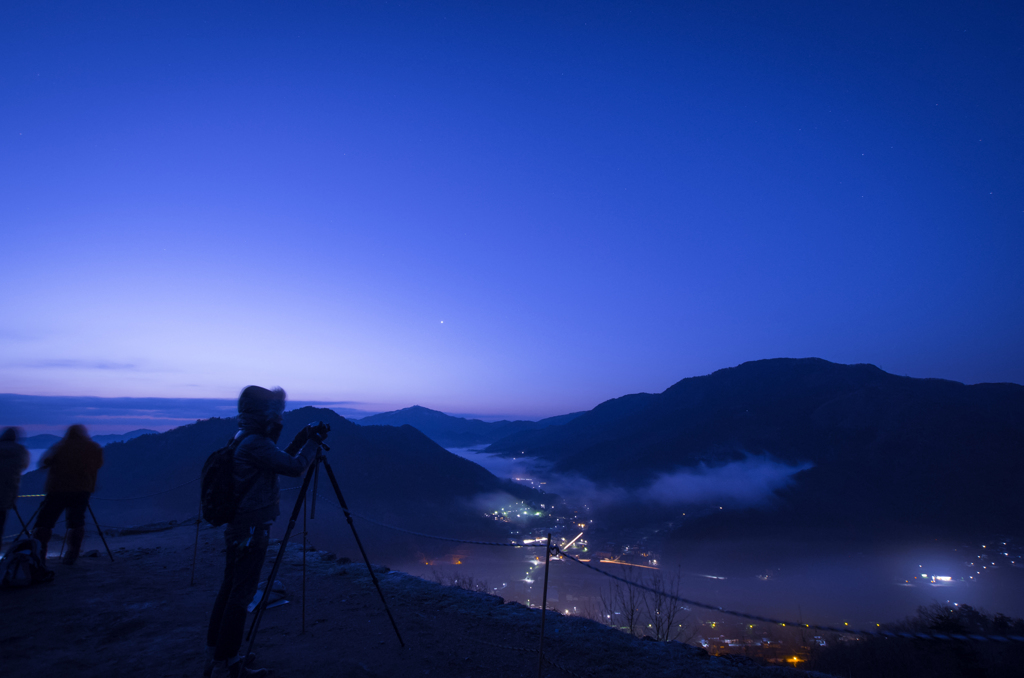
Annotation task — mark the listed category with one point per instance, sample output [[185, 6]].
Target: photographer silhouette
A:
[[257, 463]]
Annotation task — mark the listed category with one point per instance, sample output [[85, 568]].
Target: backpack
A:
[[218, 498], [23, 565]]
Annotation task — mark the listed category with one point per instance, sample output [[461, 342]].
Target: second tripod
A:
[[313, 474]]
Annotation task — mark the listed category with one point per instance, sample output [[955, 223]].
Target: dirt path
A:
[[138, 616]]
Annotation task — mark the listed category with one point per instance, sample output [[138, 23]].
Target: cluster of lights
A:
[[518, 510], [987, 555]]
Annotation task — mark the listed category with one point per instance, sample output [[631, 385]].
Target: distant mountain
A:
[[891, 455], [449, 431], [46, 441], [395, 475], [122, 437], [43, 441]]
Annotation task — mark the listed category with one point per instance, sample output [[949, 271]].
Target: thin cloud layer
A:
[[81, 365], [749, 482]]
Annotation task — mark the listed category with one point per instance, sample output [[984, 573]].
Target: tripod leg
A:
[[348, 517], [24, 529], [316, 488], [254, 629], [102, 538]]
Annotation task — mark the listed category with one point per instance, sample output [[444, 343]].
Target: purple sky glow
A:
[[516, 209]]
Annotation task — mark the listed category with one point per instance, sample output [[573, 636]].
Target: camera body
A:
[[318, 430]]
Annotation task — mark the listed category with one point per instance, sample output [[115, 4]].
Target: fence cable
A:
[[144, 496], [861, 632]]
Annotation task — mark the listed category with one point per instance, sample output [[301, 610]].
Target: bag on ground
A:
[[23, 565]]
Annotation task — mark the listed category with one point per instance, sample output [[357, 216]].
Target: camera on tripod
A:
[[318, 431]]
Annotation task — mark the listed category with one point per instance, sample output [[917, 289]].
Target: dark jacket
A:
[[13, 460], [73, 462], [258, 462]]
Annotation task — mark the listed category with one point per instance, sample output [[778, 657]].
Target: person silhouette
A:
[[73, 463], [13, 462], [257, 463]]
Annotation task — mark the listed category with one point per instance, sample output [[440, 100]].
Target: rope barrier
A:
[[144, 496], [110, 527], [861, 632]]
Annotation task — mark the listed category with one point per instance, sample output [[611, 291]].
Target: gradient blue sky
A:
[[595, 198]]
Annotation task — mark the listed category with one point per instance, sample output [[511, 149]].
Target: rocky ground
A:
[[139, 615]]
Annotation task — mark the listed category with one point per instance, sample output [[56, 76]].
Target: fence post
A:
[[544, 607]]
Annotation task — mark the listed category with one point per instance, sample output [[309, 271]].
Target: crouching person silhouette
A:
[[257, 463], [73, 463]]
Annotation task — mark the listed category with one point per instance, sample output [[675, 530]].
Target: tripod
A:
[[313, 474], [25, 530]]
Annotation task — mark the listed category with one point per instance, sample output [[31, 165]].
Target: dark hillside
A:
[[891, 454]]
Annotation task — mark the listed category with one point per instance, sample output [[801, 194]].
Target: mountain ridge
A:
[[449, 431], [896, 448]]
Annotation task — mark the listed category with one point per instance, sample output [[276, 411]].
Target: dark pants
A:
[[72, 504], [3, 521], [246, 551]]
